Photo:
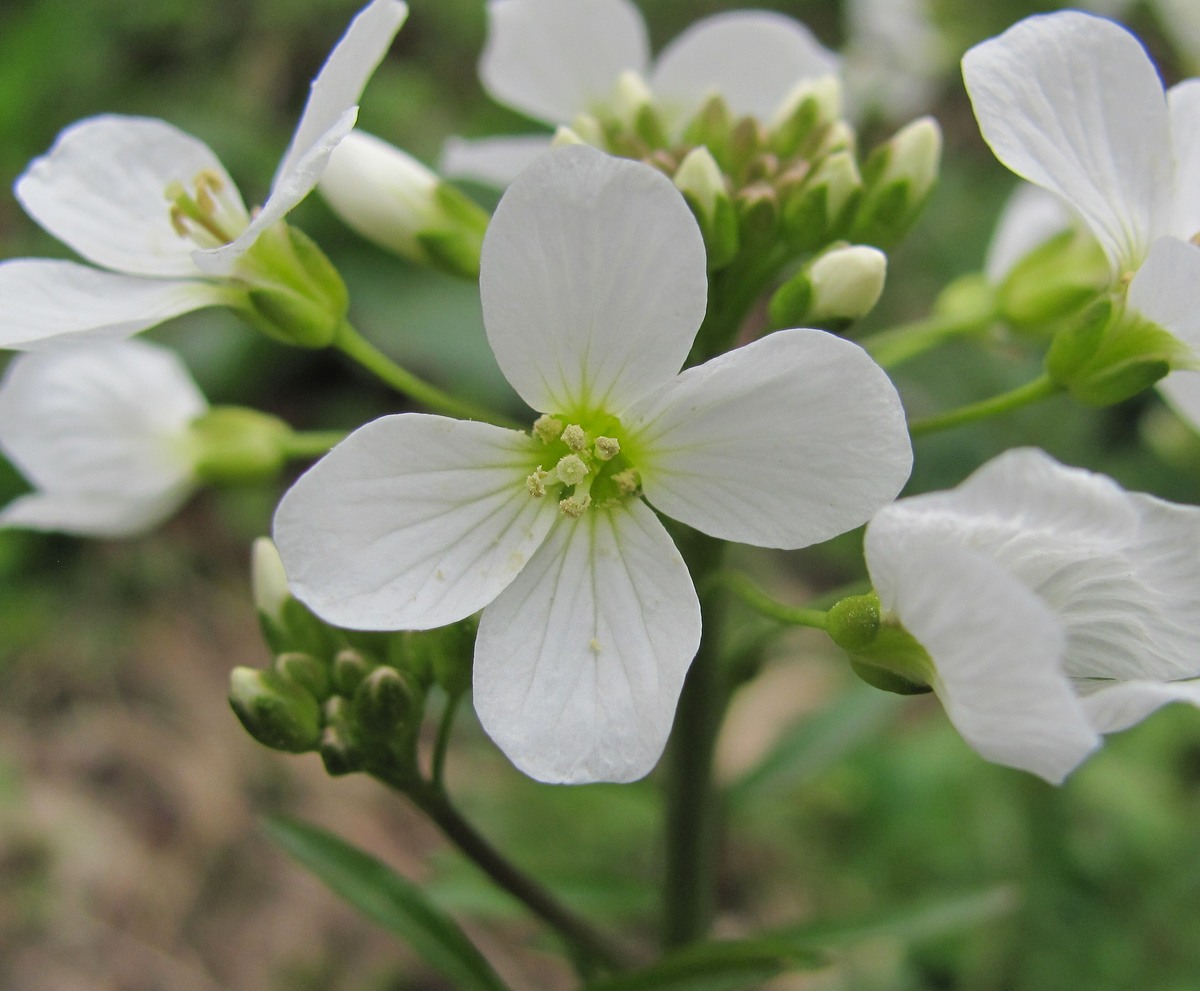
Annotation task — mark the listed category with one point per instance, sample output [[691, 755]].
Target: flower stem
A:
[[1041, 387], [732, 293], [352, 344], [442, 744], [692, 805], [303, 444], [758, 600], [897, 345], [595, 946]]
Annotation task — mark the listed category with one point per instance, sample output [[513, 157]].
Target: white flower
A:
[[157, 211], [1072, 103], [554, 61], [1054, 605], [101, 430], [593, 285]]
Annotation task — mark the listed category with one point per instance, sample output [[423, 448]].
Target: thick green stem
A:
[[310, 444], [732, 293], [898, 344], [692, 804], [354, 345], [1040, 388], [579, 933], [441, 746], [758, 600]]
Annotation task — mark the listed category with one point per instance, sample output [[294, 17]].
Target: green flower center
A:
[[581, 468]]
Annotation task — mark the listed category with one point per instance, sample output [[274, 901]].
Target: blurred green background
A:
[[129, 853]]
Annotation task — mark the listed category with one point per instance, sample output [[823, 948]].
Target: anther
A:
[[570, 469], [547, 428], [607, 448], [574, 437], [536, 483]]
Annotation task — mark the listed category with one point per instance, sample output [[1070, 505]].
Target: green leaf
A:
[[816, 743], [928, 919], [384, 896], [717, 966]]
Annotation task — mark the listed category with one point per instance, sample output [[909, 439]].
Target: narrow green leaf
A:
[[816, 743], [928, 919], [384, 896], [717, 966]]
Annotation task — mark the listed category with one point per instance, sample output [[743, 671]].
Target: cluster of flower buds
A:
[[355, 698]]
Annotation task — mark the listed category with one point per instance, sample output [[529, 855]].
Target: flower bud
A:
[[894, 662], [276, 712], [702, 183], [340, 750], [390, 198], [237, 446], [350, 667], [757, 208], [306, 671], [268, 580], [711, 128], [898, 176], [831, 291], [853, 623], [1054, 281], [818, 210], [810, 110], [384, 700]]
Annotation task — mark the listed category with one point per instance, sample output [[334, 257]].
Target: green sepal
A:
[[758, 215], [1053, 282], [1109, 355], [712, 127], [275, 711], [340, 749], [350, 667], [238, 446], [884, 215], [893, 661], [305, 671], [853, 623], [385, 700], [455, 247], [720, 230], [791, 303]]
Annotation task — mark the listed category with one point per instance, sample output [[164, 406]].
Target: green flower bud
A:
[[758, 215], [711, 128], [350, 667], [278, 713], [268, 580], [1109, 354], [898, 177], [1054, 281], [306, 671], [799, 128], [340, 750], [817, 210], [385, 700], [831, 291], [853, 623], [237, 446], [703, 185]]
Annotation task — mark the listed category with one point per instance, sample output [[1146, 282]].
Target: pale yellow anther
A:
[[574, 437], [547, 428], [571, 469], [575, 506], [536, 483], [627, 481], [179, 222], [607, 448]]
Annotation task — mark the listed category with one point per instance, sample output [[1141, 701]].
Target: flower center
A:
[[207, 216], [581, 468]]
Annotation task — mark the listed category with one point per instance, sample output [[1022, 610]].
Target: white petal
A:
[[1072, 103], [554, 60], [1184, 103], [785, 442], [94, 514], [592, 280], [1181, 390], [51, 303], [753, 59], [1166, 290], [495, 161], [101, 430], [579, 662], [1114, 706], [1030, 218], [997, 649], [102, 190], [411, 522], [329, 115]]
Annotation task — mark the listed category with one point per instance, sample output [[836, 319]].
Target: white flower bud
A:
[[699, 177], [915, 155], [847, 282], [268, 580]]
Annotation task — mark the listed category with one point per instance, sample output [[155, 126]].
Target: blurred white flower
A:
[[156, 210], [593, 286], [101, 430], [555, 61], [1054, 606]]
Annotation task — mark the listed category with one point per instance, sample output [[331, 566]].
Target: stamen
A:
[[536, 483], [547, 428], [571, 469], [607, 448], [627, 481], [574, 437]]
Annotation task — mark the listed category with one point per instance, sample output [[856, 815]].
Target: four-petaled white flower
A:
[[1073, 103], [157, 211], [1054, 605], [555, 61], [101, 430], [593, 285]]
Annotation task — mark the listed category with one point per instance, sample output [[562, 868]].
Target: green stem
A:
[[1040, 388], [898, 344], [310, 443], [442, 744], [579, 933], [758, 600], [692, 804], [732, 292], [352, 344]]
